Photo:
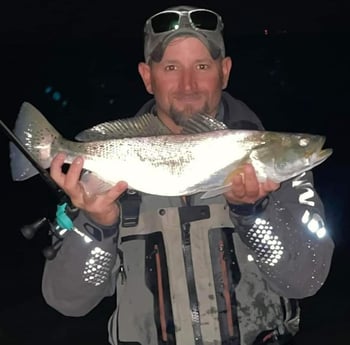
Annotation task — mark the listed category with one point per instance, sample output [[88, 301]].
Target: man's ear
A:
[[145, 73], [226, 65]]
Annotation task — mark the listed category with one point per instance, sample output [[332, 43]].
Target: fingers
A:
[[246, 187], [238, 188], [269, 186], [101, 207], [251, 182], [69, 181], [116, 191], [109, 196], [56, 169]]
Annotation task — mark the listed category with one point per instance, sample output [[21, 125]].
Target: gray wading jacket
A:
[[196, 272]]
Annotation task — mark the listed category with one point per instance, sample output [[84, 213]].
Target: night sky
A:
[[77, 63]]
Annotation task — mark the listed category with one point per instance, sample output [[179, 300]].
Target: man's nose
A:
[[188, 80]]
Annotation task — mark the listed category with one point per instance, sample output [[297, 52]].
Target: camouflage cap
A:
[[188, 23]]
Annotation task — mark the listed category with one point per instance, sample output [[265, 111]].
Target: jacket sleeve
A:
[[289, 239], [81, 274]]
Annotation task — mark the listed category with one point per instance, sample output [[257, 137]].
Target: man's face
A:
[[187, 80]]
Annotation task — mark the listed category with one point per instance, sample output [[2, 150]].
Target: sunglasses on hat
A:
[[172, 20]]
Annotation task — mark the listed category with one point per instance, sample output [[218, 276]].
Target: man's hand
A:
[[101, 208], [246, 189]]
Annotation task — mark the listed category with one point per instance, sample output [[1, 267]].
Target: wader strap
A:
[[130, 208]]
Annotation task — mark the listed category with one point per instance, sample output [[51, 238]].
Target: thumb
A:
[[116, 191]]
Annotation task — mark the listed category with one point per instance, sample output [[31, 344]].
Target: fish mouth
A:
[[319, 157], [317, 154], [322, 155]]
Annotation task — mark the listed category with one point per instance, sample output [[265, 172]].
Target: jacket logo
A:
[[308, 194], [313, 221]]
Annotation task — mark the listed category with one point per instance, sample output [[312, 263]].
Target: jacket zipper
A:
[[160, 294], [191, 285], [121, 269]]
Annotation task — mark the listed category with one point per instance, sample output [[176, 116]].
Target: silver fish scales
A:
[[166, 164]]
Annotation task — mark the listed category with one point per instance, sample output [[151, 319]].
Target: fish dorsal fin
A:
[[146, 125], [139, 126], [199, 123]]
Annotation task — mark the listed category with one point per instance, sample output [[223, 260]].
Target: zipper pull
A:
[[121, 270]]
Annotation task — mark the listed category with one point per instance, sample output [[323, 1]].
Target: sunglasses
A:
[[171, 20]]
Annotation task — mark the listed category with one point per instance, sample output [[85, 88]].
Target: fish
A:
[[142, 152]]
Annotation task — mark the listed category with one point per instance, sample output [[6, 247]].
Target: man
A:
[[225, 270]]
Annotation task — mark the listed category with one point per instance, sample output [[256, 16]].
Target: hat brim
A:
[[204, 37]]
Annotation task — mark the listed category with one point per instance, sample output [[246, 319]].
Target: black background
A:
[[291, 66]]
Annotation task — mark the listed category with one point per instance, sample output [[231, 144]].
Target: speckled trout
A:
[[142, 152]]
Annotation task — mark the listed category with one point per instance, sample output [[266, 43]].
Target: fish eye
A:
[[282, 165], [304, 142]]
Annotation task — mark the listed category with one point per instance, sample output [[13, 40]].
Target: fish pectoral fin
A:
[[93, 184], [216, 191]]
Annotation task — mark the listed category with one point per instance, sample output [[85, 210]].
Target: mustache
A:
[[184, 95]]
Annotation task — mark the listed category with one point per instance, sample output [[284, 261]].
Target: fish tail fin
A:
[[36, 135]]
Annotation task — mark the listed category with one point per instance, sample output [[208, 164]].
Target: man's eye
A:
[[170, 68], [202, 66]]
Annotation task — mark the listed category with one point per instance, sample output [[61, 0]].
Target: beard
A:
[[180, 117]]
